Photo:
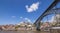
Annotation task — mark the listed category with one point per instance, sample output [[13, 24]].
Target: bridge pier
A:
[[38, 26]]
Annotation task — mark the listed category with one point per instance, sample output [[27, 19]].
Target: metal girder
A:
[[53, 11], [49, 10]]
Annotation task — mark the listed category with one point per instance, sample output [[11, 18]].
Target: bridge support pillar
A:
[[38, 26]]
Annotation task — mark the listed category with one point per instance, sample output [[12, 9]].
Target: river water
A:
[[22, 32]]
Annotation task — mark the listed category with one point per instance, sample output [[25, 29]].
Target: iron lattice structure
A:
[[50, 10]]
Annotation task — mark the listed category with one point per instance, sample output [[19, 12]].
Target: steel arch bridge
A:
[[50, 10]]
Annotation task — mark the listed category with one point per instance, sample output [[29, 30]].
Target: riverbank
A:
[[23, 32]]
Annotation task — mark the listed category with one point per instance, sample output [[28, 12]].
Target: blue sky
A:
[[14, 11]]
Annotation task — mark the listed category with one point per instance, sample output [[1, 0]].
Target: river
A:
[[22, 32]]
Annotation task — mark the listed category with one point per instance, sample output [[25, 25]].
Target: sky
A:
[[15, 11]]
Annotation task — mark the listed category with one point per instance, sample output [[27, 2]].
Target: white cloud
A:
[[34, 21], [52, 19], [49, 20], [21, 17], [55, 18], [13, 16], [33, 7], [27, 19]]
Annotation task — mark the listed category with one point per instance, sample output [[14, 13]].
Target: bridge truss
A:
[[50, 10]]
